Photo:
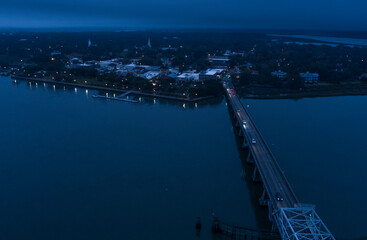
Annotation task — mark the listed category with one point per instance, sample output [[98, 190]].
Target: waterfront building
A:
[[151, 74], [216, 61], [188, 76], [310, 78], [210, 74], [279, 74]]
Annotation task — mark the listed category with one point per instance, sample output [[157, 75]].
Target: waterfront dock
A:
[[108, 89], [115, 98]]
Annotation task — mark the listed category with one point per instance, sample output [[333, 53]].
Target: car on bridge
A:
[[253, 141]]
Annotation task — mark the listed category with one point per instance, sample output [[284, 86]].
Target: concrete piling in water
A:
[[198, 224]]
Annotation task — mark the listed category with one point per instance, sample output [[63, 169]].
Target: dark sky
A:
[[269, 14]]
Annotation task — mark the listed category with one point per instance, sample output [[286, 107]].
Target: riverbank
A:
[[326, 90], [94, 87]]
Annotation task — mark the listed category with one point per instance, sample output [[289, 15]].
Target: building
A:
[[55, 53], [218, 61], [310, 78], [211, 74], [188, 76], [76, 60], [279, 74], [151, 74]]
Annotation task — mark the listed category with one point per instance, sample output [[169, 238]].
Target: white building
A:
[[151, 74], [76, 60], [188, 76], [279, 74], [310, 78], [211, 74]]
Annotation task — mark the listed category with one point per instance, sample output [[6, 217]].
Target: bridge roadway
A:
[[271, 175], [294, 221]]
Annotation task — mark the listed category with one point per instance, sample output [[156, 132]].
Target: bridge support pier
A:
[[237, 124], [234, 115], [240, 133], [271, 212], [249, 158], [264, 199], [256, 175], [245, 143]]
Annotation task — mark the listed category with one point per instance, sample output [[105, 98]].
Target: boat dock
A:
[[116, 98]]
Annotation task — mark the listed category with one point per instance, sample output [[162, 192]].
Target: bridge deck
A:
[[294, 220], [271, 174]]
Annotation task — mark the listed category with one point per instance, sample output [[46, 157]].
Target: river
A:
[[320, 143], [76, 167]]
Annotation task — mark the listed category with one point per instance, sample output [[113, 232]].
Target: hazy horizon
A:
[[204, 14]]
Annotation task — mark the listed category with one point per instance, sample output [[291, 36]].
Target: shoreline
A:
[[252, 93], [332, 91], [95, 87]]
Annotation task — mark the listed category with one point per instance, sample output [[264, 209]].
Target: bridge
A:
[[292, 219]]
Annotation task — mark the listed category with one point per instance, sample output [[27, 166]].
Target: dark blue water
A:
[[320, 143], [75, 167]]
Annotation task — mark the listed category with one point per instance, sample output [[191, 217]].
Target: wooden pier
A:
[[230, 231]]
